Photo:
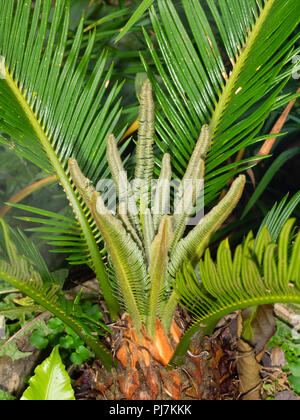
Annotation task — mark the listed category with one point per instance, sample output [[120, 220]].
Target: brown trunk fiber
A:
[[209, 372]]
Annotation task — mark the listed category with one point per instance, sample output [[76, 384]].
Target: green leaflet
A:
[[83, 184], [119, 176], [50, 382], [144, 149], [279, 214], [124, 251], [135, 17], [192, 188], [252, 276]]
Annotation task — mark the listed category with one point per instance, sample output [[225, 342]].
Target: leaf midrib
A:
[[231, 81], [98, 265], [208, 322]]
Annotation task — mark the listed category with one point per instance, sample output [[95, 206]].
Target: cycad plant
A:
[[144, 241], [59, 111]]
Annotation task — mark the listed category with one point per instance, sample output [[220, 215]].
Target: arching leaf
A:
[[252, 276]]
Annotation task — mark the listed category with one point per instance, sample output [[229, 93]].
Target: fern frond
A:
[[260, 272], [161, 202], [158, 268]]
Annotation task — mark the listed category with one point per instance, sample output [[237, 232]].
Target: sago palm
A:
[[59, 118]]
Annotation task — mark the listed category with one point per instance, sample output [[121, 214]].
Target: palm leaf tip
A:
[[83, 184]]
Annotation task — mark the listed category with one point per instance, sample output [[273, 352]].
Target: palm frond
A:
[[260, 272], [158, 268], [61, 232], [51, 111], [230, 78], [279, 214], [135, 17], [127, 258], [27, 272], [122, 243]]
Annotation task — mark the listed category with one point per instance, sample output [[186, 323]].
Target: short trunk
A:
[[208, 373]]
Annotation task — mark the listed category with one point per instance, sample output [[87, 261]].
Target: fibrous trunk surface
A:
[[209, 371]]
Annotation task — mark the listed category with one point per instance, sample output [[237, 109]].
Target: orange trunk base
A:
[[141, 374]]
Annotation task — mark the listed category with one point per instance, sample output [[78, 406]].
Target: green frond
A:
[[190, 189], [161, 201], [195, 85], [143, 6], [27, 272], [124, 190], [199, 153], [50, 109], [193, 245], [254, 275], [122, 214], [158, 268], [144, 148], [148, 232], [127, 259], [83, 185], [60, 232]]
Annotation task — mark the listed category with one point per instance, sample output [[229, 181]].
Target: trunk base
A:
[[209, 371]]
